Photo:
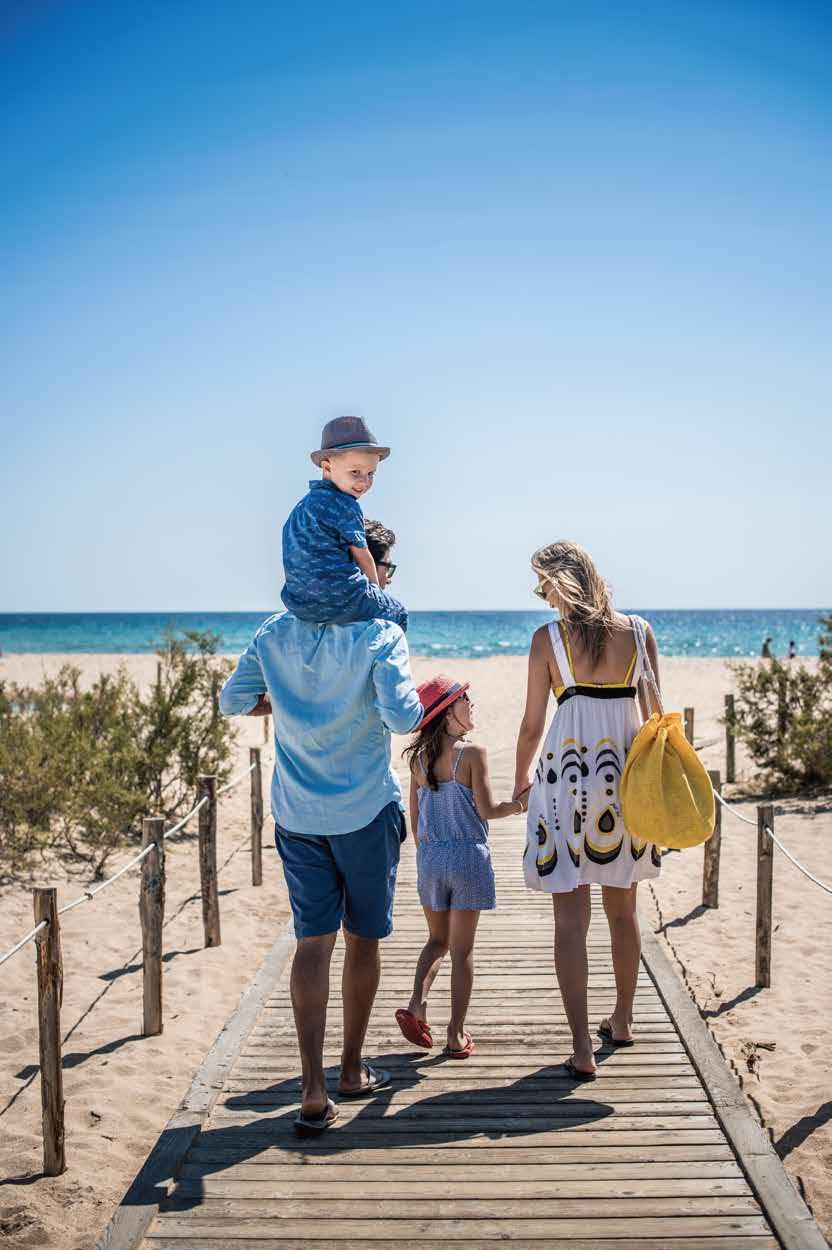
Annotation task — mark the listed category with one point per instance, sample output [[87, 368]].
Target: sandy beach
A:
[[120, 1089]]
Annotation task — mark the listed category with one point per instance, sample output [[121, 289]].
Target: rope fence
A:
[[46, 933]]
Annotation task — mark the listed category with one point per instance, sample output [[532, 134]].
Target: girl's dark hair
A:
[[426, 748]]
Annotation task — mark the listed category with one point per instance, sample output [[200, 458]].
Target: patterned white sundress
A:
[[575, 834]]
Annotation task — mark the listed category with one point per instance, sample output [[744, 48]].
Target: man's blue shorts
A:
[[349, 877]]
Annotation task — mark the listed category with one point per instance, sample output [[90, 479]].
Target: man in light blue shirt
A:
[[336, 694]]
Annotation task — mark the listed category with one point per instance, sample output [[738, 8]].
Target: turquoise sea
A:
[[714, 633]]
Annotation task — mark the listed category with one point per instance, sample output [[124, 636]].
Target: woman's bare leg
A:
[[430, 961], [625, 937], [463, 930], [572, 913]]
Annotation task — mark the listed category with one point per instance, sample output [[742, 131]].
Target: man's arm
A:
[[243, 693], [396, 699]]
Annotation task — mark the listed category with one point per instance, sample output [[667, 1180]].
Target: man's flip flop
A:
[[466, 1052], [578, 1074], [311, 1126], [377, 1078], [415, 1030], [605, 1032]]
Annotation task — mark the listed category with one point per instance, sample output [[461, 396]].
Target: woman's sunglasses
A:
[[540, 591]]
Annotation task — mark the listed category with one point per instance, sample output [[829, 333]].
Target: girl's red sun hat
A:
[[437, 694]]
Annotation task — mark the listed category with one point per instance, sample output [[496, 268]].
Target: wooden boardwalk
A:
[[503, 1147]]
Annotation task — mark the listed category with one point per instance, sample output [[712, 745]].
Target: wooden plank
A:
[[648, 1148], [278, 1239], [481, 1171], [509, 1211], [332, 1232], [408, 1187]]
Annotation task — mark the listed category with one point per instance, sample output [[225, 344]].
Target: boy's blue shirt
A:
[[337, 693], [317, 536]]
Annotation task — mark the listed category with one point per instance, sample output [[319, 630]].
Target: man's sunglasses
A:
[[385, 564]]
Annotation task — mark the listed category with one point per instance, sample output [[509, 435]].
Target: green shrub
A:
[[784, 717], [79, 768]]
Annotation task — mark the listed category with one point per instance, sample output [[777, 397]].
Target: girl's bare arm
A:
[[414, 809], [481, 785], [534, 717]]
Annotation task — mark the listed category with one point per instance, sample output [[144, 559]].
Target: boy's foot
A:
[[414, 1028]]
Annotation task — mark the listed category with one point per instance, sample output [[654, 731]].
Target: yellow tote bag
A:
[[666, 793]]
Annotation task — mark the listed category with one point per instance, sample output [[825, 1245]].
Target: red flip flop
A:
[[415, 1030], [466, 1052]]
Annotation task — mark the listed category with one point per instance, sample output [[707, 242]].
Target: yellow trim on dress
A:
[[613, 685]]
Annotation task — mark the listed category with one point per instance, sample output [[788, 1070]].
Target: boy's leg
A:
[[430, 961], [572, 914], [462, 931]]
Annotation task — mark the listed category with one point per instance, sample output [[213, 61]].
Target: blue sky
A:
[[572, 261]]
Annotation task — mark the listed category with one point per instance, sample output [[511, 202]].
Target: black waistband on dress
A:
[[597, 692]]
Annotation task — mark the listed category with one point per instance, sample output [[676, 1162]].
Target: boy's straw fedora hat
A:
[[347, 434], [437, 694]]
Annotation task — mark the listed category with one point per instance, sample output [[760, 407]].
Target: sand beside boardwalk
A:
[[120, 1088]]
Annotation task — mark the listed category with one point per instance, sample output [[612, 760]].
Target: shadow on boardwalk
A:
[[525, 1106]]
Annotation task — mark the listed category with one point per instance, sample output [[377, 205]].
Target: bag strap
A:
[[647, 674], [561, 655]]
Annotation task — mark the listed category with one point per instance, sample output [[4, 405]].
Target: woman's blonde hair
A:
[[584, 595]]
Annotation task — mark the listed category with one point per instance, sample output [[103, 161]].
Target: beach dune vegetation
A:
[[79, 768], [783, 715]]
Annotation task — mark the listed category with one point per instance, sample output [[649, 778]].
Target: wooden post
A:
[[266, 720], [765, 863], [152, 916], [50, 997], [689, 724], [710, 865], [207, 787], [256, 818], [730, 739]]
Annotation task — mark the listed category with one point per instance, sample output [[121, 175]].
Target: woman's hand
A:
[[521, 791]]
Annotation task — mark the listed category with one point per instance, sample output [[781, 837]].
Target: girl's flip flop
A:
[[466, 1052], [415, 1030]]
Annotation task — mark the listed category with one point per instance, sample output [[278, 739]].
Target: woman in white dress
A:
[[591, 660]]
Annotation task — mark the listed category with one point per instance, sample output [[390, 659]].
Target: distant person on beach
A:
[[592, 660], [766, 651], [450, 806], [331, 577], [792, 650], [336, 693]]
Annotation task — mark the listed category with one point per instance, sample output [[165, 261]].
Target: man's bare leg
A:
[[362, 969], [309, 986]]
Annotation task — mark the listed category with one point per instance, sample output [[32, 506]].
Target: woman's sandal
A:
[[578, 1074], [466, 1052], [416, 1031], [604, 1031]]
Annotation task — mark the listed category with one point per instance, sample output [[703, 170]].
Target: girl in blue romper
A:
[[450, 806]]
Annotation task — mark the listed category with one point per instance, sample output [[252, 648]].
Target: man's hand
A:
[[263, 706], [521, 791]]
